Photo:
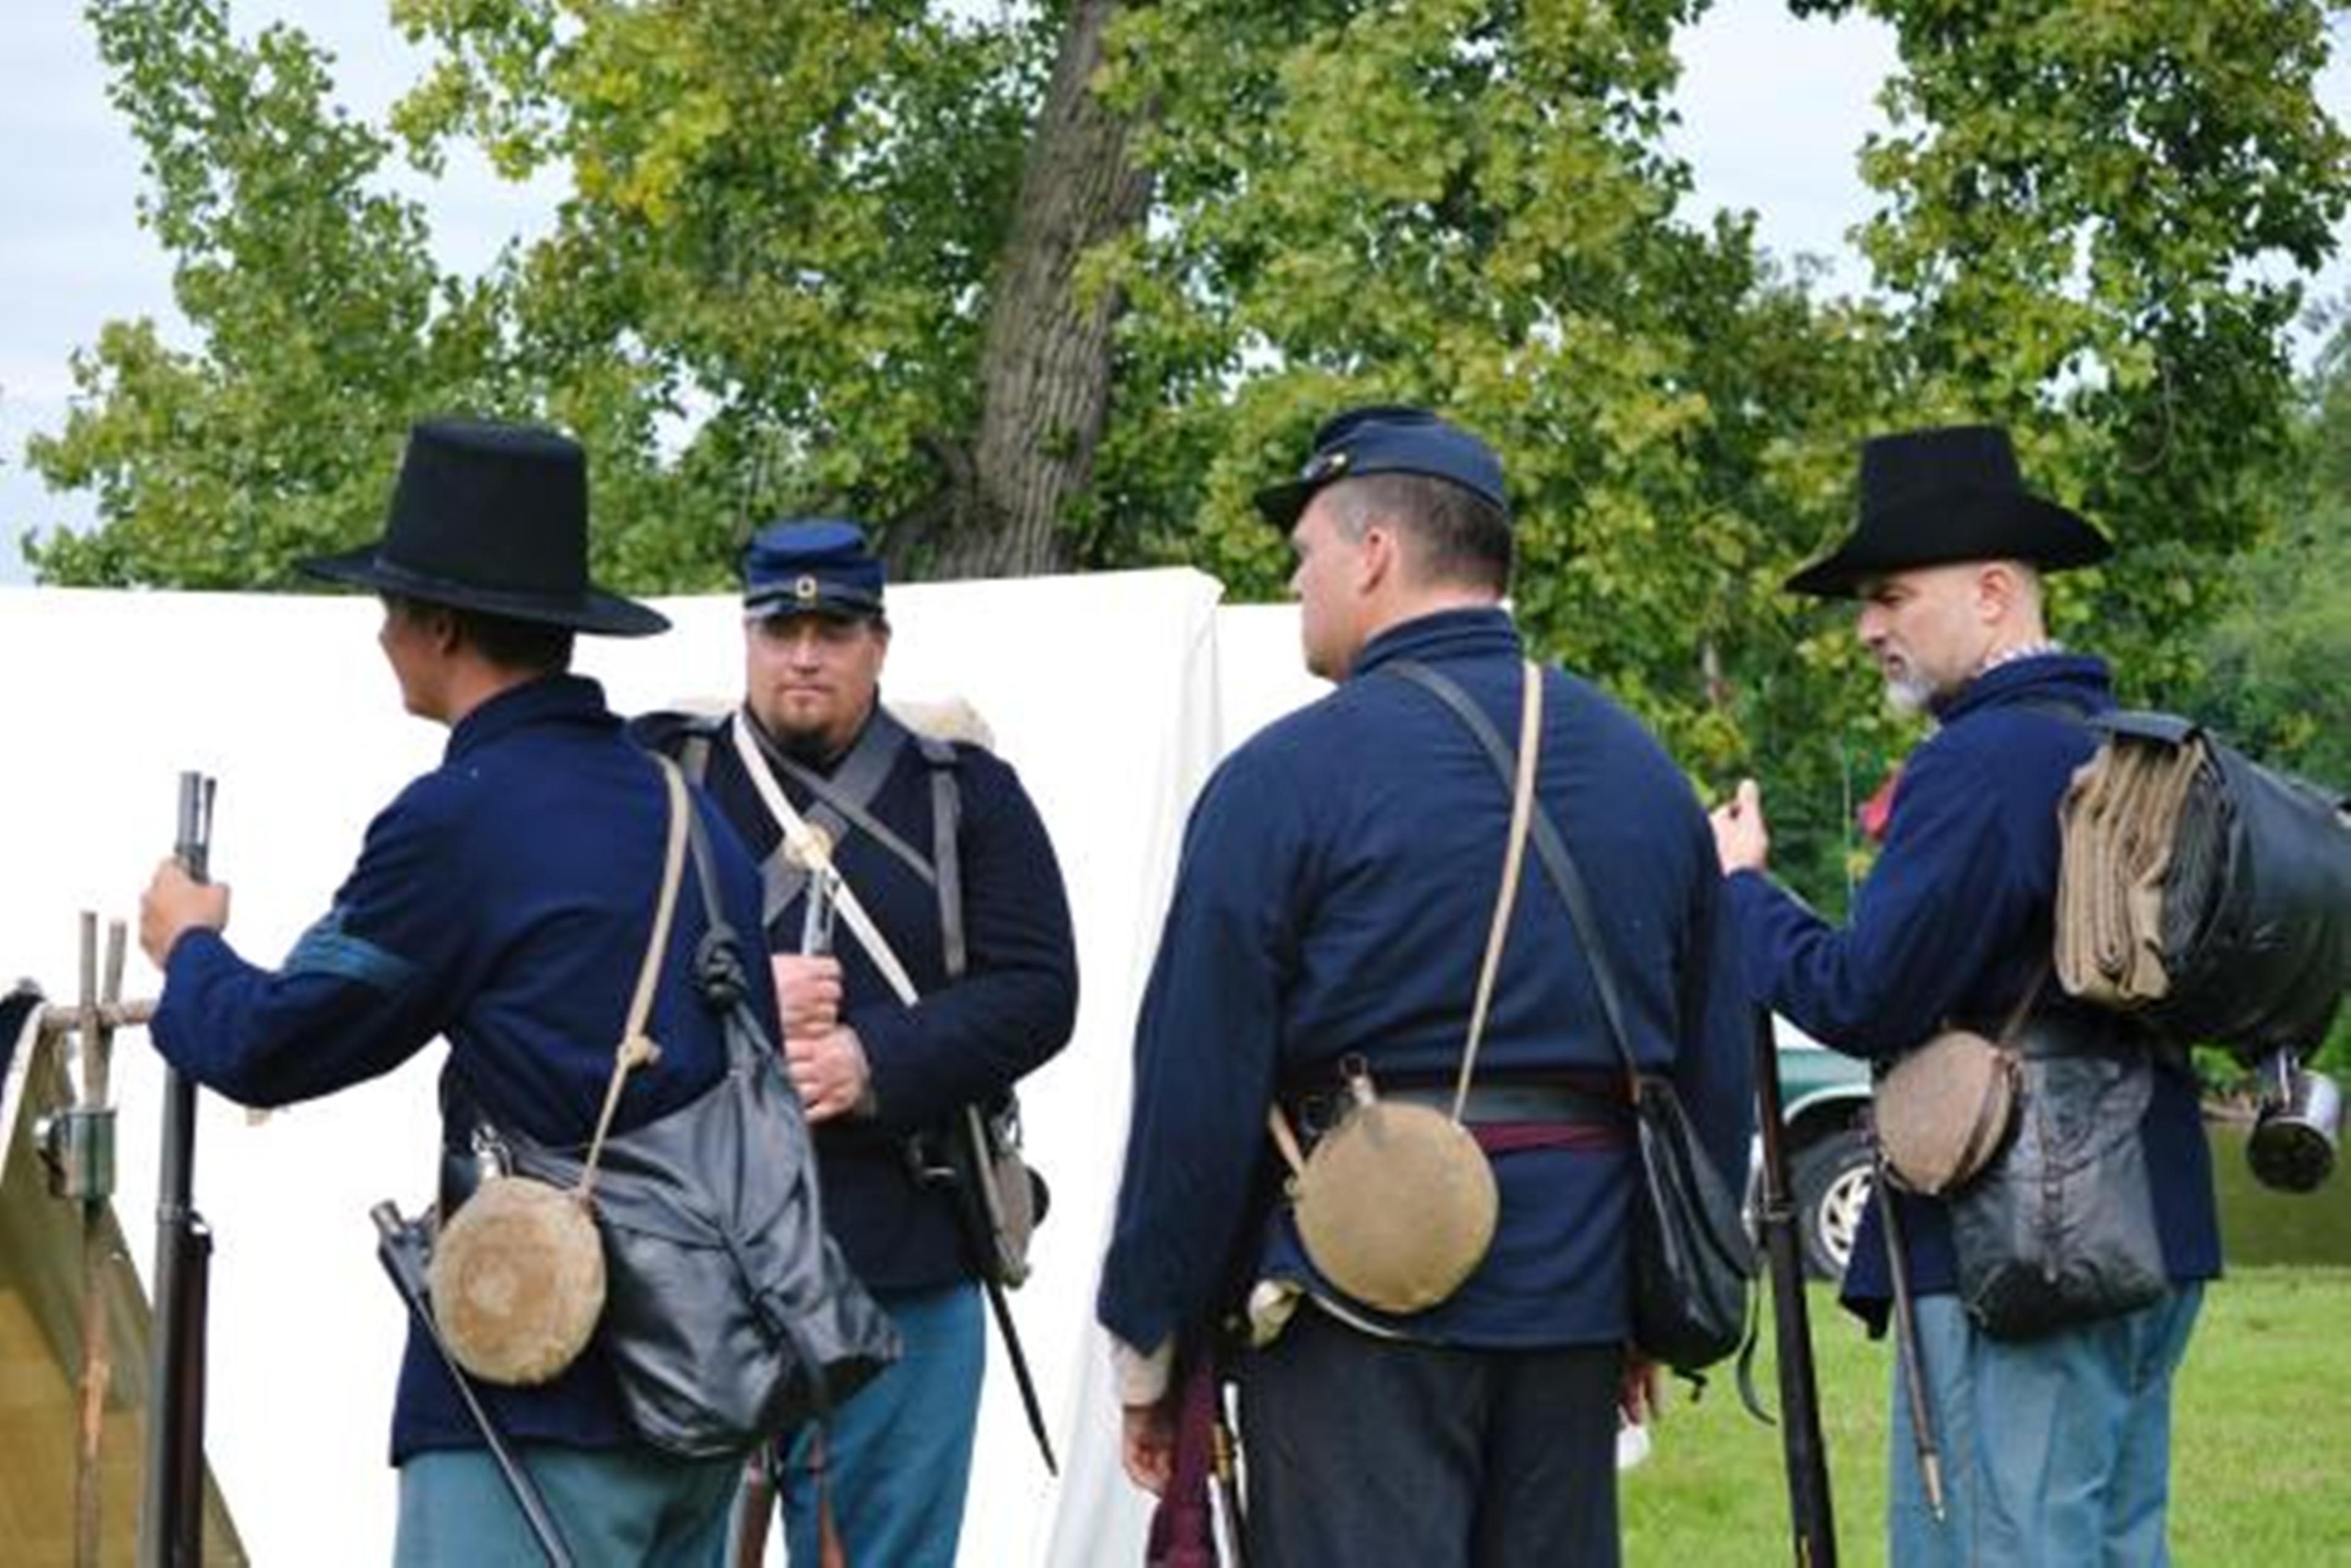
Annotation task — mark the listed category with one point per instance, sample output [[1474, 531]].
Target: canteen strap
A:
[[636, 1048]]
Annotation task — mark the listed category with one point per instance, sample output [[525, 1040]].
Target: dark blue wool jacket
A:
[[504, 902], [970, 1041], [1337, 878], [1952, 925]]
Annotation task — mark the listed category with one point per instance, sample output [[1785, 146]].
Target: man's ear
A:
[[1376, 561], [441, 624], [1995, 588]]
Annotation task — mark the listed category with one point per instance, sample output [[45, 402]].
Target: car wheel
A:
[[1831, 1180]]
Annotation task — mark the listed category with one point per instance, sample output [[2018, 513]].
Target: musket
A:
[[1906, 1345], [170, 1533], [1811, 1519], [400, 1247]]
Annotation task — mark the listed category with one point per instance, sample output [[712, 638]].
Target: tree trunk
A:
[[1045, 368]]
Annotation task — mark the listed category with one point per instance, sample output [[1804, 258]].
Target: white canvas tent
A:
[[1113, 695]]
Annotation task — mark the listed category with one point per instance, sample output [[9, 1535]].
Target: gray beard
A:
[[1908, 697]]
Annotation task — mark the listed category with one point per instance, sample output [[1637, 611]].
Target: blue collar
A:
[[2038, 678], [1483, 632], [556, 699]]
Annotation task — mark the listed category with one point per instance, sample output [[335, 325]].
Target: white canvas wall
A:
[[1111, 693]]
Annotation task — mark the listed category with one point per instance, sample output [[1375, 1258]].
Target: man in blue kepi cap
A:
[[1329, 924], [940, 844]]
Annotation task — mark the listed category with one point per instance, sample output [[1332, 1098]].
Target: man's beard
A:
[[1908, 694], [801, 743]]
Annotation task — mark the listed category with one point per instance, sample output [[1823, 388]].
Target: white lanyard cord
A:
[[809, 848]]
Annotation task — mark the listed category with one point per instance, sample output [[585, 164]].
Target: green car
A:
[[1822, 1094]]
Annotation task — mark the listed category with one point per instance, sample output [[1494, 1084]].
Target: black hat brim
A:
[[592, 610], [1974, 524]]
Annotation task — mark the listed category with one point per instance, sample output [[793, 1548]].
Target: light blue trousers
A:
[[2056, 1452], [897, 1456], [612, 1506]]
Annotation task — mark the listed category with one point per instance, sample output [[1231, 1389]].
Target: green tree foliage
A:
[[321, 319], [2085, 207], [2275, 667], [1434, 204], [785, 218], [2078, 198], [1059, 285]]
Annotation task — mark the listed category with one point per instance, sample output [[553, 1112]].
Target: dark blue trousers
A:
[[1361, 1452]]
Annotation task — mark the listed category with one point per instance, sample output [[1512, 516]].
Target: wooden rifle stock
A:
[[172, 1516], [1810, 1517]]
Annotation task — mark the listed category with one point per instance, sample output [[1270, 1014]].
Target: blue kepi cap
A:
[[811, 565], [1387, 438]]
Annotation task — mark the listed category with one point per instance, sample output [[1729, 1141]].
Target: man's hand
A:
[[808, 992], [176, 904], [830, 1070], [1741, 840], [1147, 1445], [1637, 1391]]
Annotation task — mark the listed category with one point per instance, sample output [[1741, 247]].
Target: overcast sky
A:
[[1773, 111]]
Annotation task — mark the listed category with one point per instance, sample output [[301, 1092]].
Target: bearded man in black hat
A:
[[2058, 1446], [503, 901]]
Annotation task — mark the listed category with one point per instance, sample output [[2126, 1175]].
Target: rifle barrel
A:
[[1810, 1516], [1906, 1348], [171, 1532]]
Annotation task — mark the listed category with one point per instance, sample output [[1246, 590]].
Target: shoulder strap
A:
[[946, 857], [785, 872], [849, 789], [1514, 860], [1549, 848], [815, 855], [1522, 812], [694, 738], [2056, 708], [636, 1048]]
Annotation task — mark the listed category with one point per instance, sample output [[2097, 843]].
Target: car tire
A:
[[1832, 1181]]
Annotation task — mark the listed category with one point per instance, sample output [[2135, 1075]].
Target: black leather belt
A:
[[1518, 1100]]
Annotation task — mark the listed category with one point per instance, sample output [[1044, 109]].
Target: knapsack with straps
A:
[[2203, 891]]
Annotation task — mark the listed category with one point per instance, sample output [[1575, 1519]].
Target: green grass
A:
[[2261, 1465]]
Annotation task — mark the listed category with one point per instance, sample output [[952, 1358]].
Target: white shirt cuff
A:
[[1142, 1377]]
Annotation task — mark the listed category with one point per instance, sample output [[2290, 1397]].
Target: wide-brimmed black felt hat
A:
[[1930, 498], [491, 517]]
